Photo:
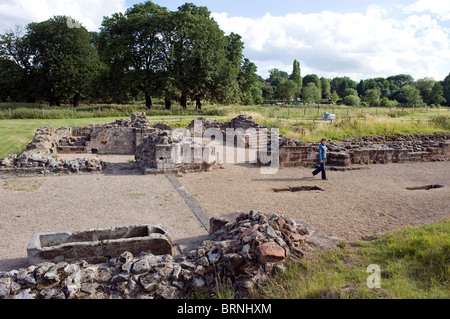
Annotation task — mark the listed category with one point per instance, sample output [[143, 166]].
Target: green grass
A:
[[15, 134], [414, 263]]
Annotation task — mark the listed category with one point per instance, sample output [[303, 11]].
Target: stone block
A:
[[98, 245]]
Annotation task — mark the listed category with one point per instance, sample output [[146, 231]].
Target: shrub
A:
[[352, 100]]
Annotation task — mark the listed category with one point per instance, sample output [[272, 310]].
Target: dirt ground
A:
[[354, 203], [80, 202]]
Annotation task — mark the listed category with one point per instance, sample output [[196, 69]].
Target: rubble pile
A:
[[41, 157], [240, 255]]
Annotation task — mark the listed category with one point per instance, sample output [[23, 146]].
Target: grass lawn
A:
[[414, 263]]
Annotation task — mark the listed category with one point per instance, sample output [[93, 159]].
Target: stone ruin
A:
[[352, 151], [98, 245], [369, 150], [156, 148], [160, 148], [239, 255]]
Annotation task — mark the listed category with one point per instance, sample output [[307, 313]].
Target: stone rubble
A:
[[41, 157], [242, 255]]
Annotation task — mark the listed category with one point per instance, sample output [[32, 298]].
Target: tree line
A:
[[395, 90], [150, 52], [147, 52]]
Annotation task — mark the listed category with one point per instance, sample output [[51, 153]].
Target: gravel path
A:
[[355, 203], [78, 202]]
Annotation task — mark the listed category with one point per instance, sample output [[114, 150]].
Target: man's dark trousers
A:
[[321, 169]]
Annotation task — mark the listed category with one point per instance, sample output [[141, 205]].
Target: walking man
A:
[[322, 159]]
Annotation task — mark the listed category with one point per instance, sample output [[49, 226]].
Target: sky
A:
[[356, 38]]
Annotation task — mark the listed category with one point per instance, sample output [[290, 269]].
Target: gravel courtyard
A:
[[354, 203], [79, 202]]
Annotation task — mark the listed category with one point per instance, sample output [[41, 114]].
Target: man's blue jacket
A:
[[322, 152]]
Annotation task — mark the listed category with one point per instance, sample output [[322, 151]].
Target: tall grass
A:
[[347, 127], [414, 262], [19, 111], [442, 121]]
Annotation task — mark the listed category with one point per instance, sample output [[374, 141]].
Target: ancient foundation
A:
[[161, 149], [98, 245], [244, 252]]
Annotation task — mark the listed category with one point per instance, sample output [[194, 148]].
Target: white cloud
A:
[[377, 42], [89, 12], [440, 8], [360, 45]]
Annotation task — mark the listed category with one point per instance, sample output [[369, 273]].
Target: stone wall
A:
[[157, 148], [168, 152], [237, 125], [371, 150], [95, 245], [40, 156], [120, 138], [358, 150]]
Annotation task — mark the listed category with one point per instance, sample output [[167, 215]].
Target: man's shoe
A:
[[326, 179]]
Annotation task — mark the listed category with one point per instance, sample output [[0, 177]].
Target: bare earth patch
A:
[[354, 203]]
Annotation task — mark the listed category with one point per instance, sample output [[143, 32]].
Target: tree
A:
[[177, 55], [15, 67], [372, 97], [334, 97], [257, 95], [352, 100], [202, 61], [349, 91], [425, 86], [311, 93], [63, 62], [361, 88], [276, 76], [268, 92], [130, 44], [247, 78], [326, 88], [398, 81], [287, 90], [410, 95], [437, 94], [312, 78], [446, 88], [227, 89], [340, 84], [382, 85], [296, 77]]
